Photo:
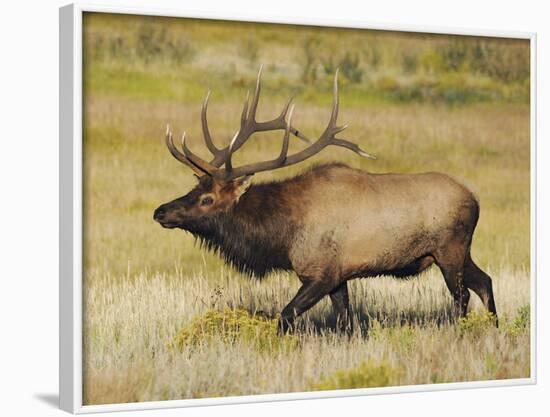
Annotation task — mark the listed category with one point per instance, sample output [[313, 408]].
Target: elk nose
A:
[[159, 213]]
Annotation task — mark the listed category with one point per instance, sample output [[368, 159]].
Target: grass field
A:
[[418, 102]]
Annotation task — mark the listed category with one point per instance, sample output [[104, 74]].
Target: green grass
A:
[[440, 109]]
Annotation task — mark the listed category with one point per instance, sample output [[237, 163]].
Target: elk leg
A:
[[340, 301], [454, 278], [480, 283], [307, 296]]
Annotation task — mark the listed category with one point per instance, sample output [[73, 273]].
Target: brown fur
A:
[[334, 223]]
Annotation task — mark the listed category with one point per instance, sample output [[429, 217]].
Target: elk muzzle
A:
[[165, 217]]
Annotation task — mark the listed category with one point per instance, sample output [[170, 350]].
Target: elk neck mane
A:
[[256, 234]]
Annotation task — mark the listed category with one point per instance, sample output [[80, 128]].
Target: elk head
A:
[[208, 198], [219, 189]]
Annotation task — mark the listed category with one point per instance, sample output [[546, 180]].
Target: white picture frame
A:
[[71, 179]]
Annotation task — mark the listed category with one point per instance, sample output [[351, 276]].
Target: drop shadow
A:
[[49, 399]]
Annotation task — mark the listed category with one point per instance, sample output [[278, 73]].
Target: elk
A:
[[330, 224]]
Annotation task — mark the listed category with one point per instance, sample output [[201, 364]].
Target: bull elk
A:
[[330, 224]]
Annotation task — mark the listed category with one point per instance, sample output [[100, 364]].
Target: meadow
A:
[[167, 320]]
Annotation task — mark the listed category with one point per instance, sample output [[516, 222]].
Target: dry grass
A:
[[131, 324], [144, 284]]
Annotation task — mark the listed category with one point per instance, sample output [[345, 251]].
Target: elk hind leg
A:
[[454, 278], [480, 283], [340, 301], [451, 263]]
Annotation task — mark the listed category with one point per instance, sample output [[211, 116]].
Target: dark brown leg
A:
[[480, 283], [454, 278], [451, 264], [450, 260], [340, 301], [307, 296]]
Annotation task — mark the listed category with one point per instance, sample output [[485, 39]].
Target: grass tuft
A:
[[521, 322], [368, 374], [402, 337], [232, 326], [476, 323]]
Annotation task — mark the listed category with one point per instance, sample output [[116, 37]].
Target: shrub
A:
[[375, 330], [153, 42], [492, 364], [409, 62], [476, 323], [402, 337], [329, 65], [373, 56], [454, 55], [234, 325], [449, 88], [310, 46], [388, 84], [349, 66], [149, 41], [521, 323], [431, 62], [251, 51], [506, 61], [367, 375], [179, 50]]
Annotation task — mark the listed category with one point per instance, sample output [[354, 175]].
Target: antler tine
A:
[[284, 150], [230, 173], [256, 98], [352, 147], [205, 131], [245, 110], [335, 100], [196, 160], [326, 138], [178, 155], [249, 125], [280, 123], [228, 164], [284, 112]]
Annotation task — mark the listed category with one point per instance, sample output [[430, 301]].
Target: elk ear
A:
[[241, 185]]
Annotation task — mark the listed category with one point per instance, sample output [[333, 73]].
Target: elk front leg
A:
[[340, 301], [307, 296]]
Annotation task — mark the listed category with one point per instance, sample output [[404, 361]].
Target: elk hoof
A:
[[285, 326]]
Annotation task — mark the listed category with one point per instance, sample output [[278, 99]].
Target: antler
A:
[[178, 155], [249, 126]]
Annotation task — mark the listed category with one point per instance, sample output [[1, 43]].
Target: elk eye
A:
[[206, 201]]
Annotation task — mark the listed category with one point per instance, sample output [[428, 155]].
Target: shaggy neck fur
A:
[[255, 235]]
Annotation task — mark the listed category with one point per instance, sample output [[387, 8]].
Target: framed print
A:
[[269, 210]]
